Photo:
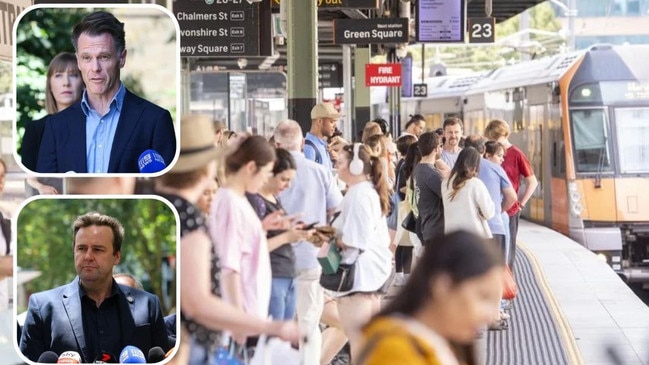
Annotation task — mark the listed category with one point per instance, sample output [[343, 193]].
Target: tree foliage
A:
[[44, 240]]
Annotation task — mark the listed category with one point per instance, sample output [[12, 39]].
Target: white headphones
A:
[[356, 165]]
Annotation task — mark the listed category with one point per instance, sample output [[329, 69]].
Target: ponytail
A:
[[380, 183]]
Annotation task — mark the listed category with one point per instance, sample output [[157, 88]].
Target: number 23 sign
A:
[[482, 30]]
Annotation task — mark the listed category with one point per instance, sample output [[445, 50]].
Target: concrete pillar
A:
[[302, 60], [362, 110]]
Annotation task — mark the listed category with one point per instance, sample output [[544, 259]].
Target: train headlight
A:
[[574, 199], [602, 257], [586, 92]]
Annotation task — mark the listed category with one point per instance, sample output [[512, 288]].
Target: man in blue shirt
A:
[[93, 313], [315, 195], [324, 118], [110, 127]]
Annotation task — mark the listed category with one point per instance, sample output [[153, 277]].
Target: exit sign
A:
[[383, 74]]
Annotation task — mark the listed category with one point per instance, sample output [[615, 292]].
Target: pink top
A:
[[240, 242]]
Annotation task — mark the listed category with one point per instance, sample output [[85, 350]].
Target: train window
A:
[[592, 145], [633, 133]]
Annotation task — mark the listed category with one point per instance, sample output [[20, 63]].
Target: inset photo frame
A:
[[97, 89], [96, 278]]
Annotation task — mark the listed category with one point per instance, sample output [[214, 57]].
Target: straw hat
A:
[[197, 147]]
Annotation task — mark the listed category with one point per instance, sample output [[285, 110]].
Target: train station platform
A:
[[571, 308]]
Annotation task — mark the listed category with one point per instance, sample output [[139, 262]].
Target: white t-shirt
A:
[[470, 209], [362, 225]]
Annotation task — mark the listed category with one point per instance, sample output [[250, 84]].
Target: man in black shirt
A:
[[93, 314]]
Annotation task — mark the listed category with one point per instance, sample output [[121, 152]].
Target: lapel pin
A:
[[130, 299]]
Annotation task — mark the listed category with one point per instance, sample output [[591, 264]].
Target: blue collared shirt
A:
[[100, 131], [312, 193], [321, 145]]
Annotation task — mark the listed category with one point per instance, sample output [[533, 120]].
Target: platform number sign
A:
[[420, 90], [482, 30]]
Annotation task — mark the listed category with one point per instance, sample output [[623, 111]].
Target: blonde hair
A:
[[370, 129], [495, 129]]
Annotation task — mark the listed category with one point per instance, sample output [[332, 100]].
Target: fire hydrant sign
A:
[[383, 74]]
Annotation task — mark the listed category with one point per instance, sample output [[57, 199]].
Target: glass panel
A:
[[632, 137], [590, 134]]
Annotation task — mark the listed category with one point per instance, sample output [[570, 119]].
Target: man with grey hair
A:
[[313, 194]]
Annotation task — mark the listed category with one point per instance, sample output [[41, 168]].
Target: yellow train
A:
[[582, 118]]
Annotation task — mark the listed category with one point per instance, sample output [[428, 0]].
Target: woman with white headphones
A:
[[363, 235]]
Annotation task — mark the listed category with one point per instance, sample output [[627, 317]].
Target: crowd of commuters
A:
[[438, 209]]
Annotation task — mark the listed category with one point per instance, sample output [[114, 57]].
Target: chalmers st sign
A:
[[366, 31]]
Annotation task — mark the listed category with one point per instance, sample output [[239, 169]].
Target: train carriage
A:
[[582, 118]]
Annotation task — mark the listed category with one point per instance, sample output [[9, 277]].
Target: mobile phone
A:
[[310, 226]]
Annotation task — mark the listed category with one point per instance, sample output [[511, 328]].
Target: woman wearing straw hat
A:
[[204, 315]]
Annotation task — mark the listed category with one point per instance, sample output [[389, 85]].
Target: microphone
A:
[[156, 354], [105, 358], [48, 357], [151, 161], [132, 355], [69, 357]]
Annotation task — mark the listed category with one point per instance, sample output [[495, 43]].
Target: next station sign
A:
[[367, 31], [383, 74]]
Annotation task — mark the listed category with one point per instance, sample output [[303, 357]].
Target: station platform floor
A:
[[571, 309]]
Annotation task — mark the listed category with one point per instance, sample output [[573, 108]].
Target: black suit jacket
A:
[[142, 125], [54, 322], [32, 142]]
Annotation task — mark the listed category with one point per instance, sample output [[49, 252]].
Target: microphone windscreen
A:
[[69, 357], [150, 161], [48, 357], [105, 358], [132, 355], [156, 354]]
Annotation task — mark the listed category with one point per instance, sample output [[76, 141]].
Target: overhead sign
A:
[[340, 4], [420, 90], [366, 31], [9, 11], [440, 21], [218, 28], [482, 30], [330, 75], [383, 74]]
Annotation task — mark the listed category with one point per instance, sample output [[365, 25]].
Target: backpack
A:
[[318, 156]]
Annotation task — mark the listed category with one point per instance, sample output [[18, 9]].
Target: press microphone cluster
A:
[[151, 161]]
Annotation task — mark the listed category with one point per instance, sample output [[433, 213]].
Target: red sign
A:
[[383, 74]]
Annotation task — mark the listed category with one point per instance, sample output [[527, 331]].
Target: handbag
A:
[[329, 257], [410, 223], [274, 351], [510, 289], [340, 281]]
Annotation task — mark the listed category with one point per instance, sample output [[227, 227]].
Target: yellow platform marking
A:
[[574, 355]]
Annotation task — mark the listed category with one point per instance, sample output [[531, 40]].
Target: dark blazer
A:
[[54, 322], [32, 142], [142, 125]]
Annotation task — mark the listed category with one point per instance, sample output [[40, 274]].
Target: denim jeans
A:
[[282, 299]]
